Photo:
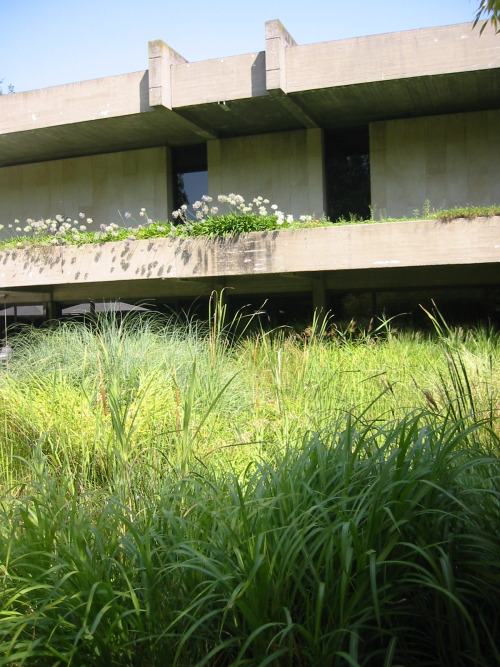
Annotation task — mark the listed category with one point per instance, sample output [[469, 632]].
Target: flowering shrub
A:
[[234, 216], [60, 229], [236, 205], [238, 217]]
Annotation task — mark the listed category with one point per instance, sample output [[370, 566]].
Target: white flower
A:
[[274, 207], [289, 218]]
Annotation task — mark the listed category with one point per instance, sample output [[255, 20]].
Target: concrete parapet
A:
[[98, 99], [401, 55]]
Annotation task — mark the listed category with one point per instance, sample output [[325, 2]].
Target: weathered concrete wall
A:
[[286, 167], [451, 160], [101, 186]]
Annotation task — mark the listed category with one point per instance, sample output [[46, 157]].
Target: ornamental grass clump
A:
[[367, 543], [174, 493]]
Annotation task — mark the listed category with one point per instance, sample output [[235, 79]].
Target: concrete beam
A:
[[97, 99], [400, 55], [24, 296]]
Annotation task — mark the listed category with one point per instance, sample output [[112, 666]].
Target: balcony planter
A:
[[340, 247]]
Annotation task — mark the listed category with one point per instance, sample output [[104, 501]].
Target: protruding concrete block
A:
[[161, 59], [277, 40]]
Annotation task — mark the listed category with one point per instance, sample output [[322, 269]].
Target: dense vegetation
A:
[[179, 494], [205, 221]]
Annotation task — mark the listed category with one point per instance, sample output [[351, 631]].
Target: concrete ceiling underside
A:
[[367, 280], [328, 108]]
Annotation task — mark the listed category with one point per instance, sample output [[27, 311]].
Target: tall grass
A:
[[173, 494]]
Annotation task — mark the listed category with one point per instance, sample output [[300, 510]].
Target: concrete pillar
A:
[[169, 184], [315, 147], [319, 295], [216, 186], [52, 310]]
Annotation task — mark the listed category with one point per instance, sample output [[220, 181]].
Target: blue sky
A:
[[51, 42]]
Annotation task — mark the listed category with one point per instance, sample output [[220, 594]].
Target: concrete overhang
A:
[[330, 85], [366, 256]]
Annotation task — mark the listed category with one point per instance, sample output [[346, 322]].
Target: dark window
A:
[[347, 173], [190, 174]]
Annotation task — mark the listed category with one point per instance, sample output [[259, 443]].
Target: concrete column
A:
[[214, 161], [315, 147], [161, 59], [52, 310], [277, 40], [319, 296], [169, 182]]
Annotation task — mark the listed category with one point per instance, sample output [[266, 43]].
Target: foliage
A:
[[467, 212], [489, 10], [10, 87]]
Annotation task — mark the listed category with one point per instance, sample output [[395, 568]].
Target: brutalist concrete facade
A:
[[427, 100]]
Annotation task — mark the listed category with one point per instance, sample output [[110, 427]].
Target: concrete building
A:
[[383, 123]]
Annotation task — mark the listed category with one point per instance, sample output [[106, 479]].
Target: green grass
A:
[[178, 494], [467, 212]]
